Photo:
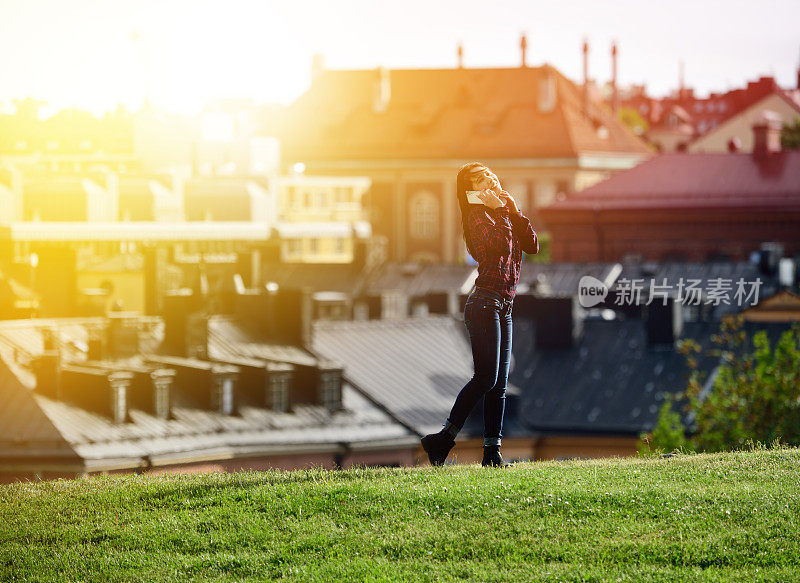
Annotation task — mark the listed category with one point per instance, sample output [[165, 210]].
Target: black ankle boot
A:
[[437, 446], [492, 457]]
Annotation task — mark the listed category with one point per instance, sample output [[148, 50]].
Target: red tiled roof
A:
[[682, 180], [446, 113]]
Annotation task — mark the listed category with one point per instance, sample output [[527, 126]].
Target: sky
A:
[[96, 54]]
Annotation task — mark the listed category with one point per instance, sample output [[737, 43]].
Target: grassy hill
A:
[[724, 517]]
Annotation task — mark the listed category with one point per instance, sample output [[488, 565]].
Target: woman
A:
[[496, 234]]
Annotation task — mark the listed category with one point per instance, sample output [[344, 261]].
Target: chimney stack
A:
[[47, 366], [383, 90], [317, 65], [558, 320], [663, 323], [614, 95], [523, 44], [185, 325], [460, 52], [767, 135], [585, 78], [280, 314]]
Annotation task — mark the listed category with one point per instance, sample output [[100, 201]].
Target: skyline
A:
[[116, 53]]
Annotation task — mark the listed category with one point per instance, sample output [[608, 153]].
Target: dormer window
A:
[[225, 396], [331, 389], [278, 393]]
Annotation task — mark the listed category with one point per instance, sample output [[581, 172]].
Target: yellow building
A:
[[319, 217]]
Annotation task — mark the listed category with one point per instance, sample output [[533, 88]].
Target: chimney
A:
[[767, 135], [523, 45], [460, 53], [95, 342], [663, 323], [586, 78], [317, 65], [46, 366], [123, 334], [614, 94], [280, 314], [293, 315], [255, 308], [185, 325], [382, 91], [769, 257], [558, 320]]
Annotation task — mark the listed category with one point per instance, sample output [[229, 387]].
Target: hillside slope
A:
[[723, 517]]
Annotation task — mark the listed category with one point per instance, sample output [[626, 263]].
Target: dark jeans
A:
[[487, 315]]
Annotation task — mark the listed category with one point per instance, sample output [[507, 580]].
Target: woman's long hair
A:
[[462, 186]]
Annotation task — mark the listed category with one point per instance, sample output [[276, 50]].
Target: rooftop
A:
[[530, 112], [683, 180]]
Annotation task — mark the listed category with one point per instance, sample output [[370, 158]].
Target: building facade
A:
[[409, 131]]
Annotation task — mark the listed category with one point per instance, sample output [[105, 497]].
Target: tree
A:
[[631, 118], [755, 396], [790, 136]]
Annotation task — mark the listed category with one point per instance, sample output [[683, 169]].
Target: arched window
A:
[[424, 212]]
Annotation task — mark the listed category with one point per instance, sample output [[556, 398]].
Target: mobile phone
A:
[[472, 197]]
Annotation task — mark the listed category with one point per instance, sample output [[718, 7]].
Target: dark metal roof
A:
[[35, 425], [674, 271], [561, 279], [611, 381], [415, 367], [418, 279], [343, 277]]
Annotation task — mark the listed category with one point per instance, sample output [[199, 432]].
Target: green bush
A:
[[755, 395]]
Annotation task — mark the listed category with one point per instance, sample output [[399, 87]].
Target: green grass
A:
[[722, 517]]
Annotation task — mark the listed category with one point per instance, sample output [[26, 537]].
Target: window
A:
[[330, 388], [294, 247], [339, 246], [424, 212], [278, 393], [314, 246]]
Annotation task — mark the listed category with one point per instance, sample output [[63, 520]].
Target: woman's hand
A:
[[491, 199], [509, 200]]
